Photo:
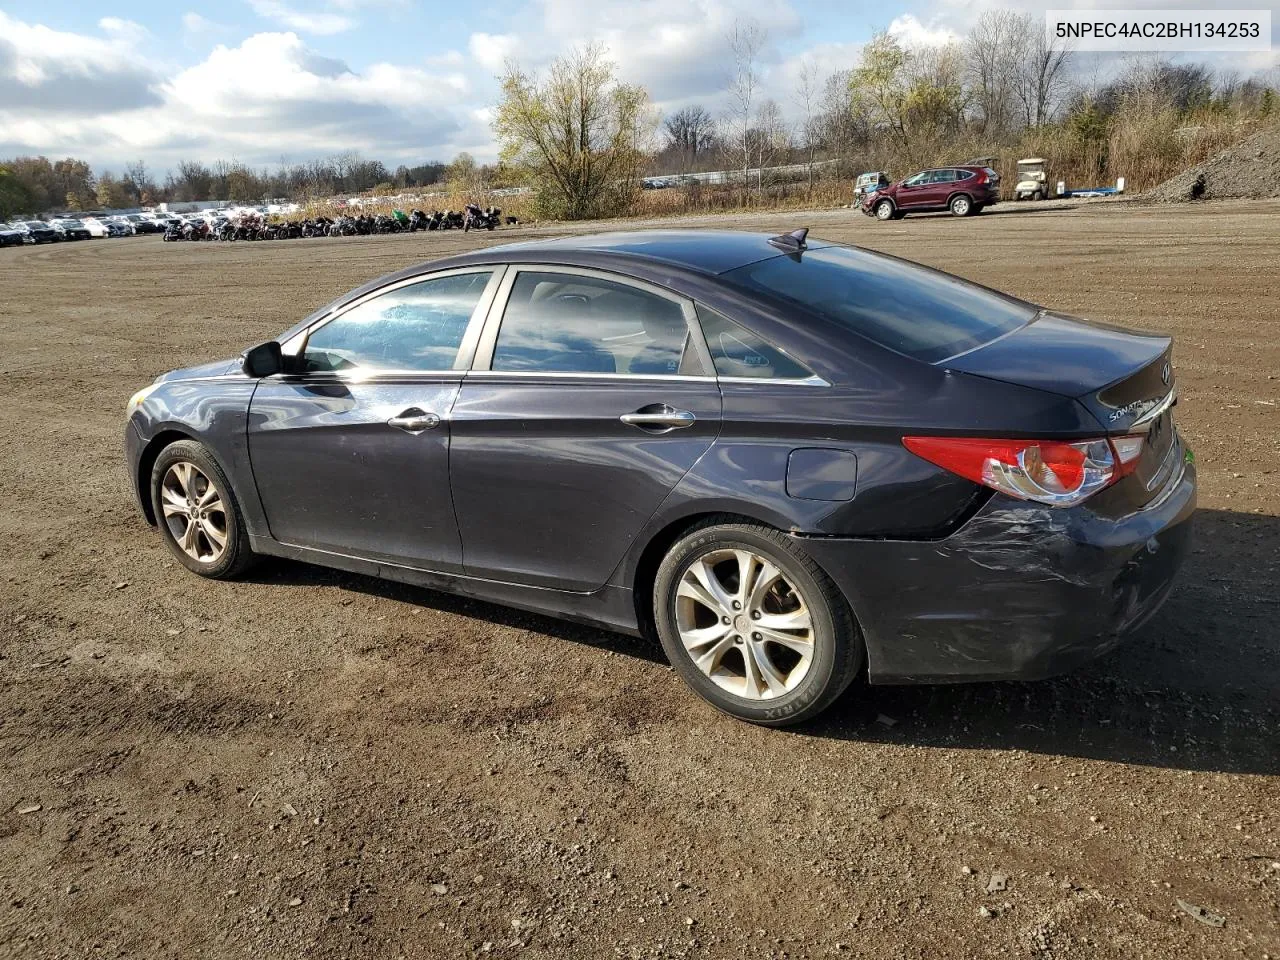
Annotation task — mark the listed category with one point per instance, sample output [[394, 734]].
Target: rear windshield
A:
[[908, 308]]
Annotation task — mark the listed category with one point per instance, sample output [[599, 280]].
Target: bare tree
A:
[[770, 137], [992, 53], [746, 42], [841, 123], [689, 131], [807, 90], [1042, 77]]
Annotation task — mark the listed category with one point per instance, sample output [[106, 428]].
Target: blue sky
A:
[[400, 80]]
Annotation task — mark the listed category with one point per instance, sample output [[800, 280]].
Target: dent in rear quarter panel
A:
[[215, 412]]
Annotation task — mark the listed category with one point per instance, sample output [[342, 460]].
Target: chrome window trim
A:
[[813, 380], [488, 340], [588, 375], [466, 347], [369, 376]]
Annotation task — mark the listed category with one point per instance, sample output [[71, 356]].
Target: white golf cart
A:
[[1033, 182]]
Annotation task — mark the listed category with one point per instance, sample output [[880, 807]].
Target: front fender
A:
[[214, 412]]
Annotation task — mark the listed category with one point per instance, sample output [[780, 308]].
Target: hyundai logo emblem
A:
[[1164, 373]]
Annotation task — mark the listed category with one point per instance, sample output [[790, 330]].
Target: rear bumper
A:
[[1021, 591]]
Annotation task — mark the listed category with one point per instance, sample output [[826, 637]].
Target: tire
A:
[[168, 487], [787, 686], [884, 210], [961, 205], [1039, 195]]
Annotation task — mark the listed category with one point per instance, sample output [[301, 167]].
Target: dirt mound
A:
[[1249, 170]]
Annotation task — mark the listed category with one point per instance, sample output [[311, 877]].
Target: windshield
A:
[[36, 225], [908, 308]]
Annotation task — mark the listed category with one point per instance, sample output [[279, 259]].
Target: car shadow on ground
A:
[[1194, 689]]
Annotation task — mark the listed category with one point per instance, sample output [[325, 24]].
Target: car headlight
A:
[[136, 400]]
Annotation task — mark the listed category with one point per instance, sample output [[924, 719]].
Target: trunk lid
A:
[[1119, 375], [1123, 378]]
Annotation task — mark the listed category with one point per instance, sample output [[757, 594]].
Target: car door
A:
[[913, 191], [350, 452], [592, 396], [938, 190]]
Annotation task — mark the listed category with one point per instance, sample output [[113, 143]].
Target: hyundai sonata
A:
[[790, 459]]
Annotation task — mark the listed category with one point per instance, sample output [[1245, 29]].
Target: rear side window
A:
[[572, 323], [903, 306], [942, 176], [737, 352], [964, 174], [418, 327]]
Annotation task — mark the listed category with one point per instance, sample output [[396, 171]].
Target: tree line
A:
[[30, 185]]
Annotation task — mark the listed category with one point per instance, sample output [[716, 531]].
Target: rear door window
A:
[[556, 322], [908, 308]]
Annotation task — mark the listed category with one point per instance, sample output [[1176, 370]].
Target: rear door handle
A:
[[666, 419], [414, 420]]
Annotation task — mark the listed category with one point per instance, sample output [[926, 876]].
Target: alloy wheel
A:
[[194, 512], [960, 206], [884, 211], [744, 624]]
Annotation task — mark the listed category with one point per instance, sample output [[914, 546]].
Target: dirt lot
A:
[[315, 764]]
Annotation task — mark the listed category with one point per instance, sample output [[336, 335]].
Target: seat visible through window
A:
[[562, 323]]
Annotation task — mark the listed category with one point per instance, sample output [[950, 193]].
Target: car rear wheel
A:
[[198, 514], [961, 206], [753, 625], [884, 210]]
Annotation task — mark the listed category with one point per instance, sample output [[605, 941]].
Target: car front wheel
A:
[[753, 625], [884, 210], [961, 206], [197, 512]]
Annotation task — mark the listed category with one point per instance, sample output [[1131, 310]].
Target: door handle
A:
[[667, 419], [414, 420]]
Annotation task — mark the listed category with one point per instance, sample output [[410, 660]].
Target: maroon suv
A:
[[962, 190]]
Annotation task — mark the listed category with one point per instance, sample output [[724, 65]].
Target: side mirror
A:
[[262, 360]]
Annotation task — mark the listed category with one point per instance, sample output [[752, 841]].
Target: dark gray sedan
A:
[[789, 459]]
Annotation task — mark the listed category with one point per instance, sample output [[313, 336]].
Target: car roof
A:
[[701, 251]]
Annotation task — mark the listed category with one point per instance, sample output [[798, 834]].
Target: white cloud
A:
[[910, 32], [492, 51], [317, 22], [194, 24]]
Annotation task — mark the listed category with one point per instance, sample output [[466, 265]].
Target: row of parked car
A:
[[84, 228]]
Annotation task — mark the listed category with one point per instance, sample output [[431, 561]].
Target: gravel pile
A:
[[1249, 170]]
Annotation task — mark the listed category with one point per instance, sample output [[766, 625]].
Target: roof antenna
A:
[[792, 242]]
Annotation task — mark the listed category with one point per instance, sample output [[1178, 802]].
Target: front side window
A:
[[418, 327], [917, 180], [569, 323], [737, 352]]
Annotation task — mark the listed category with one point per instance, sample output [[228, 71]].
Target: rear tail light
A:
[[1055, 472]]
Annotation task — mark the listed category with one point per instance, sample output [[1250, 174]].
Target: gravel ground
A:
[[315, 764]]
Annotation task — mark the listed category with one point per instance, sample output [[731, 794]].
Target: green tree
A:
[[881, 87], [15, 196], [578, 132]]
